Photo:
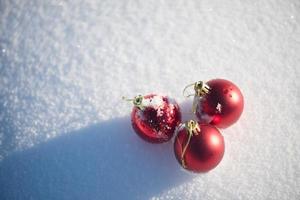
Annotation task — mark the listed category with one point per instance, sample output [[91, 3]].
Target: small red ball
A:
[[201, 151], [157, 120], [222, 106]]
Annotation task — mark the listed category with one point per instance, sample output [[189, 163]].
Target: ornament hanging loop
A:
[[137, 101], [200, 89], [184, 91], [192, 128]]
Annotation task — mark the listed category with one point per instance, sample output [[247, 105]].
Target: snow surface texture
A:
[[65, 132]]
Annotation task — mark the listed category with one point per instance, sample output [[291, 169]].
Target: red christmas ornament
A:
[[155, 118], [198, 147], [218, 102]]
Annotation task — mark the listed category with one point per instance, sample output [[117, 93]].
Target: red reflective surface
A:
[[204, 151], [157, 122], [222, 106]]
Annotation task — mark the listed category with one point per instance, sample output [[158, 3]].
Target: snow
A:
[[155, 102], [65, 132]]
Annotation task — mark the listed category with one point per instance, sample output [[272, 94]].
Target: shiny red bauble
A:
[[222, 106], [155, 118], [198, 147]]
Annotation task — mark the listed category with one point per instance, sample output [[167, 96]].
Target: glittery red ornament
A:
[[198, 147], [218, 102], [155, 118]]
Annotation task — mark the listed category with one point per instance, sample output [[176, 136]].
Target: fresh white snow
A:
[[65, 132]]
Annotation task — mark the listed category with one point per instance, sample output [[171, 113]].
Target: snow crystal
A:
[[156, 102], [65, 133]]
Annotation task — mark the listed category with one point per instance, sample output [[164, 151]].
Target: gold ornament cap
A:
[[201, 88], [137, 101]]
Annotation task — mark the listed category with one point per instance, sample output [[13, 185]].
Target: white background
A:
[[65, 133]]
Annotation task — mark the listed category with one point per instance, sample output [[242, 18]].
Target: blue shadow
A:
[[103, 161]]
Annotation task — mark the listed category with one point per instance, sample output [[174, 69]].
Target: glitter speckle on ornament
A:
[[155, 117]]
